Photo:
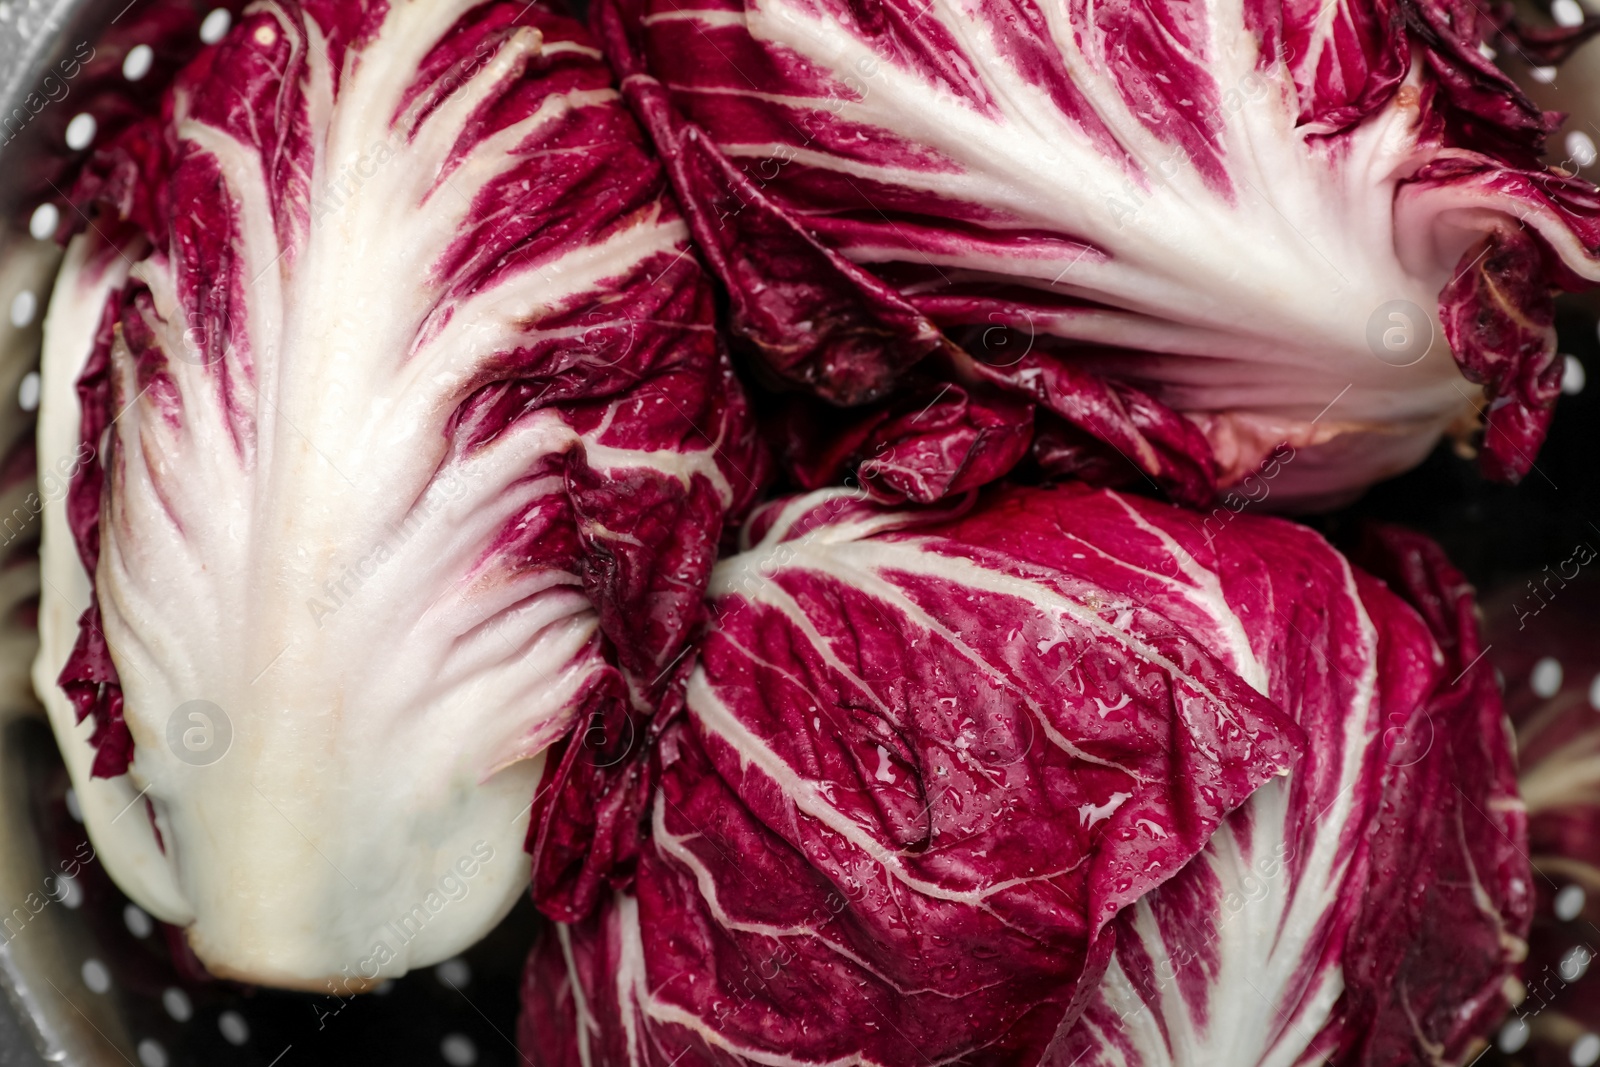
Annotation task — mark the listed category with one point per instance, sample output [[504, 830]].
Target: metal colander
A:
[[90, 978]]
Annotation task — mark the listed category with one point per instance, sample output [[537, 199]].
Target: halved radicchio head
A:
[[1146, 240], [1064, 779], [403, 440]]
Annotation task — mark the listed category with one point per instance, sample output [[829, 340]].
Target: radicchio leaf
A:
[[1444, 918]]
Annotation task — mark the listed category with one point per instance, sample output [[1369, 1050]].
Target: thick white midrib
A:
[[1023, 179], [479, 715], [1317, 890], [312, 446], [1360, 728], [308, 658], [152, 656], [300, 744], [306, 547], [1157, 301], [299, 430], [358, 245], [1173, 1006], [1311, 257], [1250, 1027], [1261, 953], [1255, 948], [277, 827], [1254, 1014], [375, 78], [929, 115], [323, 449], [279, 809], [307, 854], [1279, 188]]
